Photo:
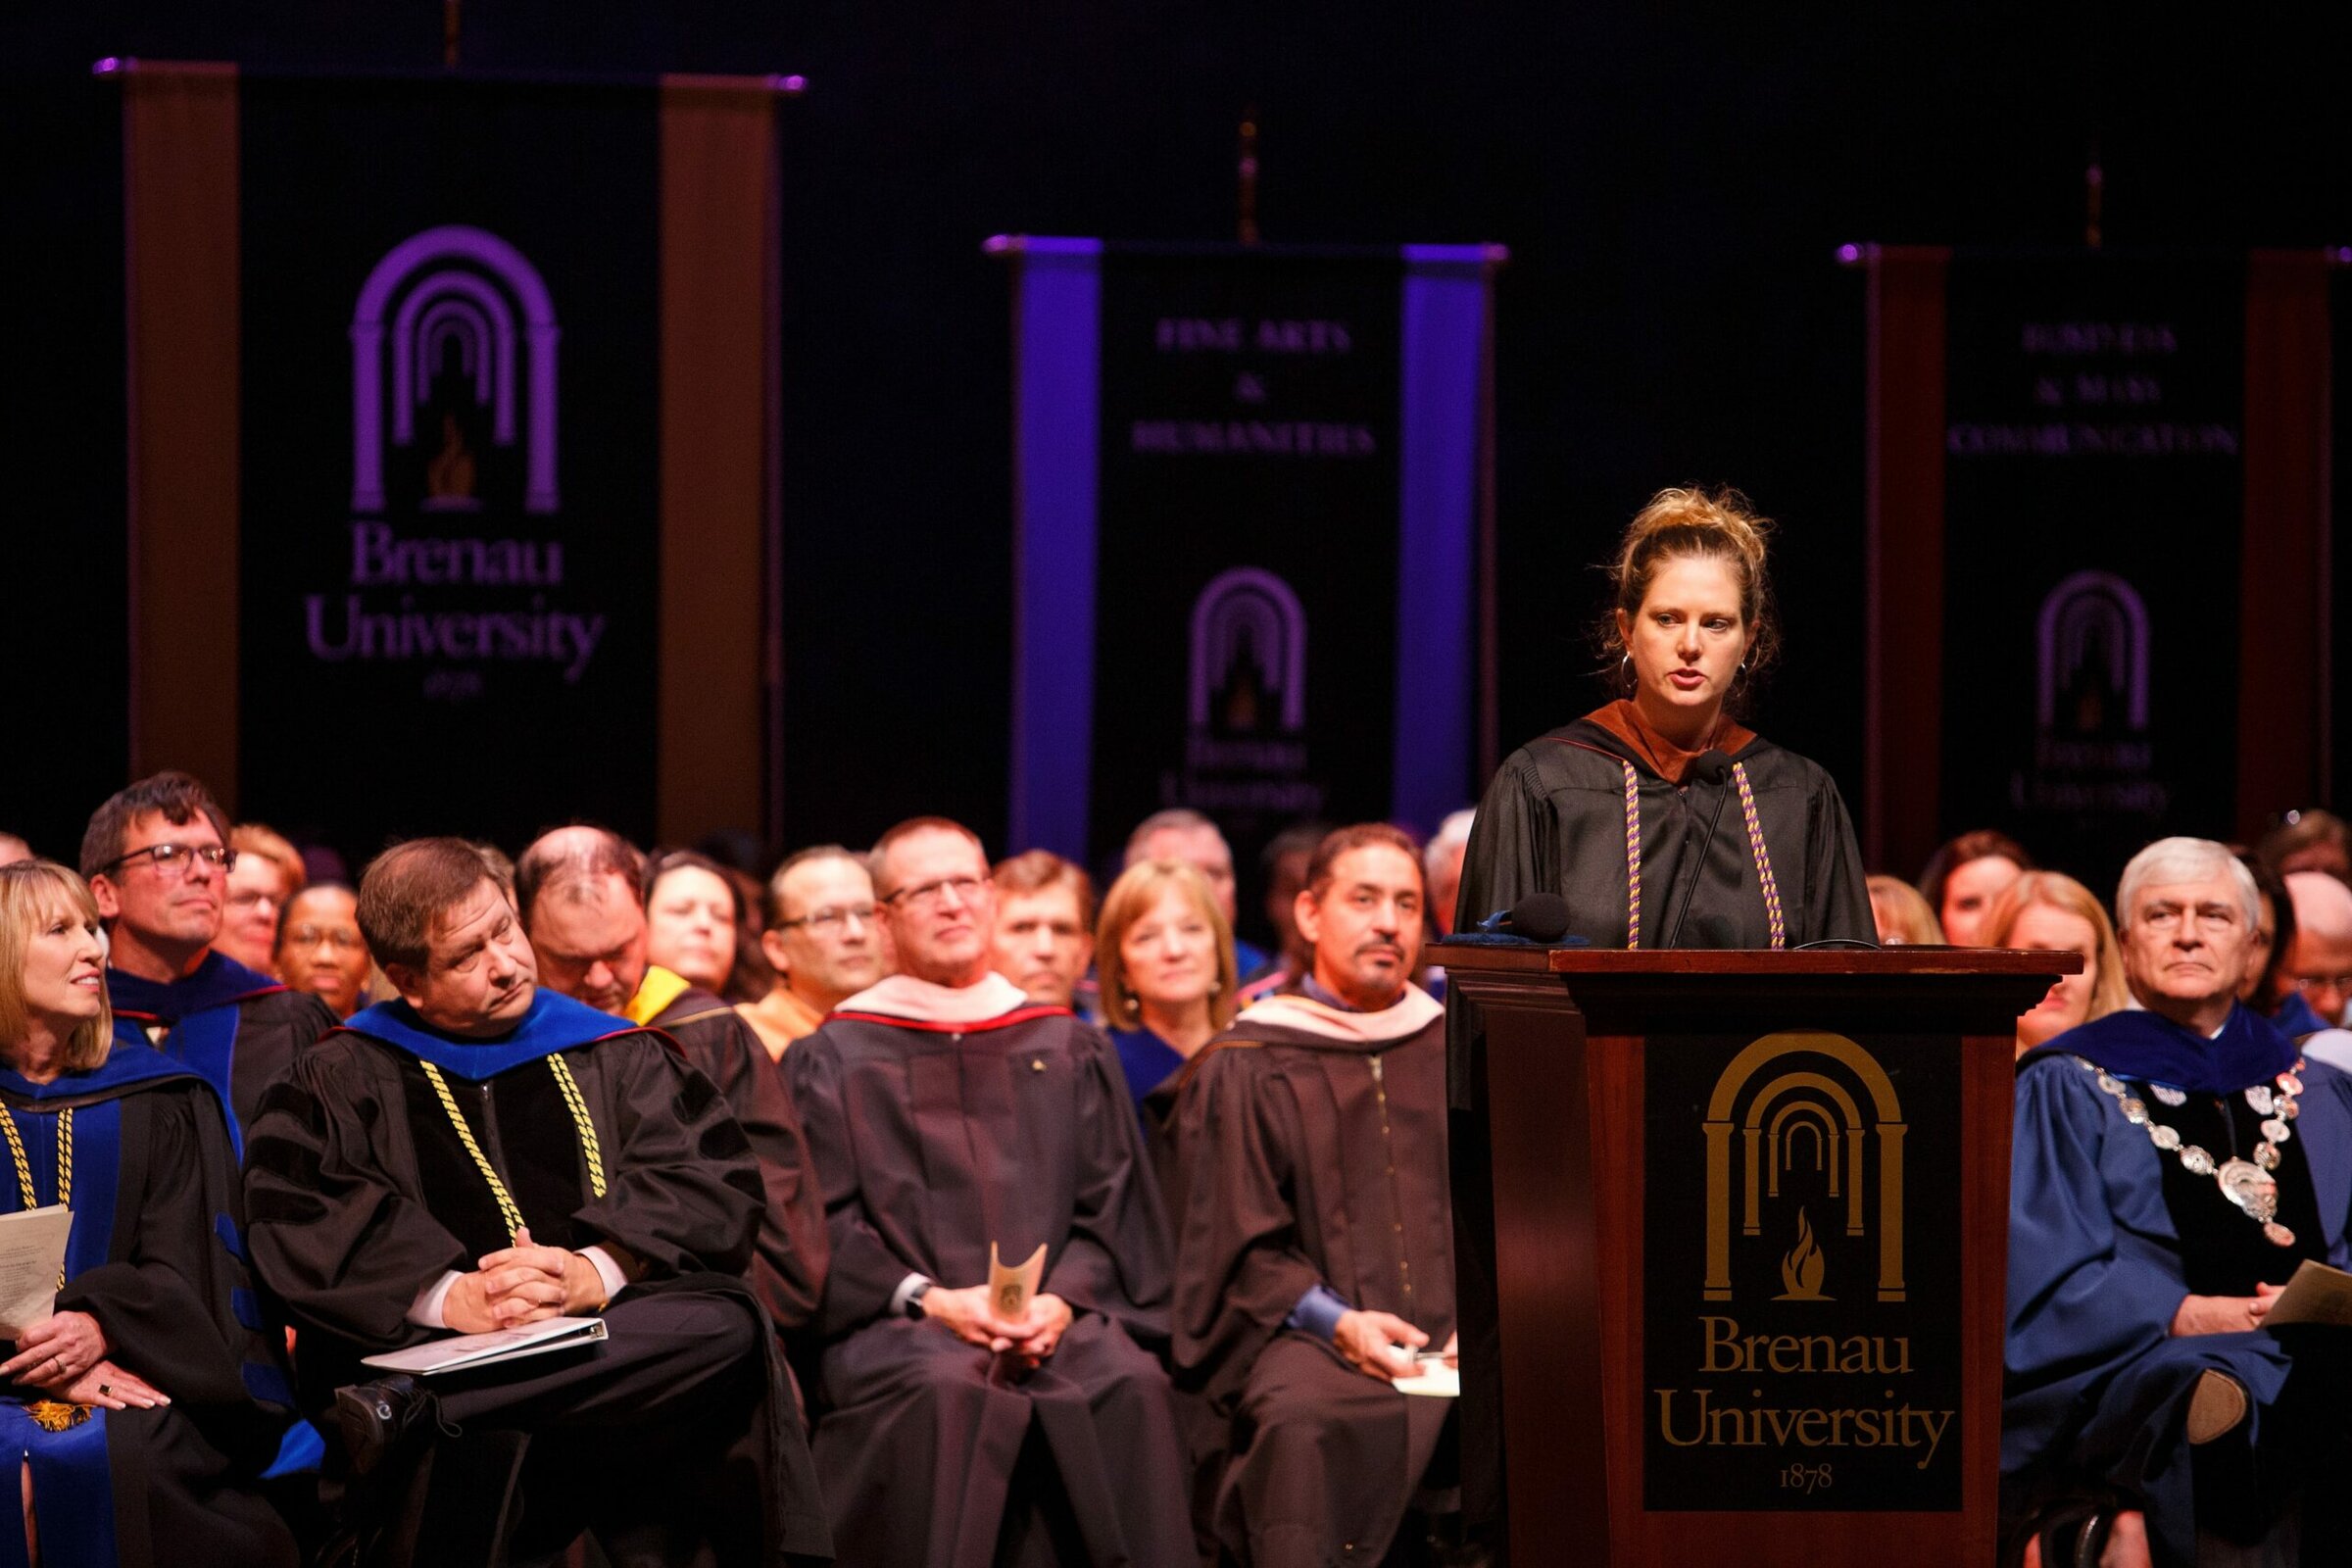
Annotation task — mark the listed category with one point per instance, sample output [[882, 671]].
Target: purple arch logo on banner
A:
[[453, 329], [2091, 751], [445, 303]]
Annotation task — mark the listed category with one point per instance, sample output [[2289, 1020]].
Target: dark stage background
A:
[[1672, 183]]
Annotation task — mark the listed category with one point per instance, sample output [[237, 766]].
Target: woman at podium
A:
[[1660, 818]]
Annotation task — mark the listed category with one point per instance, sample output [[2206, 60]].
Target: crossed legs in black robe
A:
[[648, 1438], [933, 1452]]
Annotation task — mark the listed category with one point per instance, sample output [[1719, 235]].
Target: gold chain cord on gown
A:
[[1755, 849], [50, 1415], [572, 1098]]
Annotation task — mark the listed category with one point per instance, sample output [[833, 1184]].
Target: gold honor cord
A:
[[579, 1118], [24, 1164], [572, 1098], [50, 1415]]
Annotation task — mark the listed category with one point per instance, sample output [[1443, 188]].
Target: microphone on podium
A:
[[1709, 766], [1540, 917]]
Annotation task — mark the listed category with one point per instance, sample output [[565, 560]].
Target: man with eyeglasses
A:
[[581, 895], [157, 857], [823, 939], [319, 949], [2319, 968], [950, 1117]]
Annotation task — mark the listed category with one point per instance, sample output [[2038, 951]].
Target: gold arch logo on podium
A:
[[1772, 1106]]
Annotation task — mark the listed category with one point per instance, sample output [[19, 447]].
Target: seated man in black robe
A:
[[480, 1154], [1316, 1251], [946, 1113], [157, 859], [581, 894]]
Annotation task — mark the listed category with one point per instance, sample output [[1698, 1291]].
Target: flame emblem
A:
[[1802, 1267]]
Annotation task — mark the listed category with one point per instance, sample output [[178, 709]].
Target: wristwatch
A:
[[915, 1301]]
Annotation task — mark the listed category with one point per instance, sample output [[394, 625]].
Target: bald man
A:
[[2318, 967]]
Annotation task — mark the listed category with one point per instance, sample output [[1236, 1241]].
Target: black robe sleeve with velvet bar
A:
[[789, 1269], [1310, 1161]]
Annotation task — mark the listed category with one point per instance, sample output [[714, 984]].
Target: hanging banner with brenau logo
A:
[[498, 424], [1250, 503], [2099, 506]]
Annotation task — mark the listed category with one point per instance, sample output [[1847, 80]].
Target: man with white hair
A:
[[2318, 967], [1442, 863], [2173, 1164]]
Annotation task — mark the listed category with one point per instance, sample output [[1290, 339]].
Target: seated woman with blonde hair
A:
[[1165, 958], [2049, 912], [1902, 915], [142, 1405]]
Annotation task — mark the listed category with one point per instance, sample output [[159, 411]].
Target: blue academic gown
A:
[[1146, 1062], [157, 1254], [2096, 1384], [235, 1026]]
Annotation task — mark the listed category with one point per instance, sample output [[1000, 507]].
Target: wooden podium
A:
[[1750, 1232]]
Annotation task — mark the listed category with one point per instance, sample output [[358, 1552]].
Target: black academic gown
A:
[[1554, 822], [932, 1139], [789, 1268], [236, 1027], [1313, 1143], [362, 1195], [156, 1256]]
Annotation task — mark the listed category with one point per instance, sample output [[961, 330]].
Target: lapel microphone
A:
[[1709, 766]]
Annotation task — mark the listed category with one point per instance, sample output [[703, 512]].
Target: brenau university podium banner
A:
[[1252, 527], [479, 376]]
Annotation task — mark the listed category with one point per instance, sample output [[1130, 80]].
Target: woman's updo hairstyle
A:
[[1717, 525]]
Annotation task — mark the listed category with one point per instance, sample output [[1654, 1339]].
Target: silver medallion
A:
[[2196, 1161], [2266, 1156], [2290, 1083], [2250, 1188], [2276, 1130], [2169, 1095], [2164, 1137], [2260, 1097], [2110, 1083], [2277, 1234], [2136, 1111]]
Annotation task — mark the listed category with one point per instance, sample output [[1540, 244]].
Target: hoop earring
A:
[[1625, 671]]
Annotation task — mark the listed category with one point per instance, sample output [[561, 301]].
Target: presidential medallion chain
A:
[[2247, 1184]]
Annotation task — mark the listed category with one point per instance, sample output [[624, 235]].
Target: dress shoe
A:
[[379, 1419], [2216, 1407]]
